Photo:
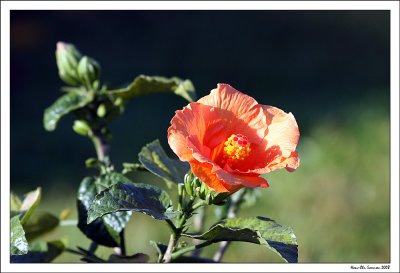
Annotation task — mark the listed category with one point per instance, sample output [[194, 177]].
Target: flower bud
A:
[[88, 70], [68, 57], [101, 110], [81, 127], [188, 184]]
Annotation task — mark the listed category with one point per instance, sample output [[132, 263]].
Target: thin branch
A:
[[232, 213], [170, 248], [198, 222]]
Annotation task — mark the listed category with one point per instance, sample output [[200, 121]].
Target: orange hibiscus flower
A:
[[229, 139]]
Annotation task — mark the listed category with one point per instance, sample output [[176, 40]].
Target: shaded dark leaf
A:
[[129, 196], [188, 259], [154, 158], [104, 231], [136, 258], [259, 230], [64, 105], [106, 180]]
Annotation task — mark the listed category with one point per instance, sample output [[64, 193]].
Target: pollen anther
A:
[[236, 148]]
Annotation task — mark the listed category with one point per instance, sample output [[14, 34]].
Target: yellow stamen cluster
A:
[[237, 147]]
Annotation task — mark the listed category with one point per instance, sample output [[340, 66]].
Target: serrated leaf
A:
[[18, 242], [40, 223], [64, 105], [154, 158], [136, 258], [106, 180], [40, 252], [129, 196], [259, 230], [104, 231], [144, 85]]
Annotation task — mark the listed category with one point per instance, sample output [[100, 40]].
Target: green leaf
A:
[[132, 167], [15, 202], [29, 204], [41, 252], [106, 180], [18, 242], [259, 230], [136, 258], [40, 223], [64, 105], [129, 196], [154, 158], [104, 231], [145, 85]]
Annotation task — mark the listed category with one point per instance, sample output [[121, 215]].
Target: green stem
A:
[[199, 204], [172, 242], [189, 248], [123, 247], [171, 225], [100, 144], [93, 247]]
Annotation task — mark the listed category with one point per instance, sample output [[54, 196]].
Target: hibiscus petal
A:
[[242, 113], [204, 173], [194, 119], [278, 148], [282, 130]]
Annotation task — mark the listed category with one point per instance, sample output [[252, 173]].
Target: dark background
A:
[[323, 66]]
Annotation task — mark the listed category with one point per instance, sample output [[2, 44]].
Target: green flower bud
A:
[[195, 187], [81, 127], [68, 57], [101, 110], [88, 70], [188, 184]]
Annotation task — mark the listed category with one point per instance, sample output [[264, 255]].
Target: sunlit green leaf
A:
[[154, 158], [15, 202], [64, 105], [144, 85], [18, 242], [40, 252], [259, 230], [104, 231], [128, 196], [29, 204], [40, 223]]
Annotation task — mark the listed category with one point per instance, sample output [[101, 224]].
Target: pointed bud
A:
[[188, 180], [68, 57], [88, 70]]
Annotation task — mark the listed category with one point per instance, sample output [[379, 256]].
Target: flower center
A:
[[236, 148]]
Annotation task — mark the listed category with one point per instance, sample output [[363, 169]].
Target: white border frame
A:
[[393, 6]]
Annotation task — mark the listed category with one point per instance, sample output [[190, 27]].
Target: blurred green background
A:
[[329, 68]]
